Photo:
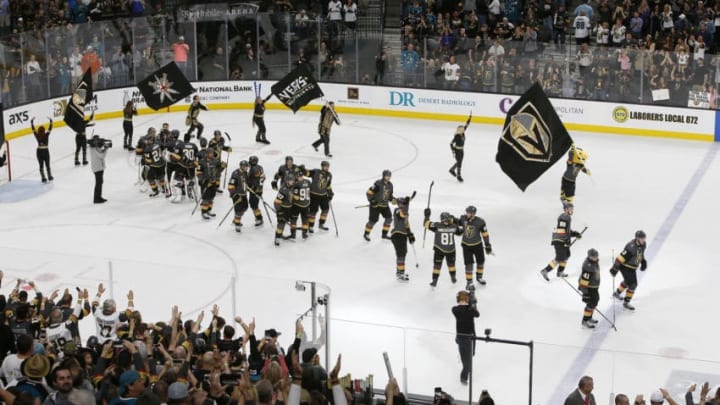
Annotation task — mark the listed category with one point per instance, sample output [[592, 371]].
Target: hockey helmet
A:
[[445, 217], [386, 173], [244, 163], [324, 163], [299, 173], [217, 133], [290, 158], [165, 126], [289, 180], [640, 234], [175, 134], [404, 201], [203, 142], [593, 254], [471, 210], [253, 160], [152, 131], [579, 156]]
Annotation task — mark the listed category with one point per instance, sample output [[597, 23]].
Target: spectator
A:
[[585, 9], [34, 370], [560, 26], [32, 74], [380, 67], [410, 60], [131, 386], [452, 73], [530, 45], [91, 61], [582, 28], [63, 383], [137, 7], [583, 394], [63, 76], [4, 17], [350, 11], [11, 365], [302, 24], [181, 51], [618, 33], [335, 17], [636, 25], [660, 396]]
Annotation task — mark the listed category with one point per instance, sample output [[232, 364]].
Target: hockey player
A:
[[400, 236], [301, 203], [589, 284], [42, 152], [184, 155], [475, 234], [192, 117], [128, 112], [153, 158], [575, 164], [456, 146], [259, 119], [172, 145], [561, 240], [283, 206], [627, 263], [321, 194], [328, 116], [237, 187], [379, 196], [209, 176], [444, 245], [256, 179], [218, 142], [285, 171]]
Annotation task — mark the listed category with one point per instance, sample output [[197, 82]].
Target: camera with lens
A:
[[98, 142], [472, 298]]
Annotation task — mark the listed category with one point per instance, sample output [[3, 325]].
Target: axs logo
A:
[[19, 117]]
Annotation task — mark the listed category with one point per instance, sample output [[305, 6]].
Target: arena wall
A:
[[578, 115]]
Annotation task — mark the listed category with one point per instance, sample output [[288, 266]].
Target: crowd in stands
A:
[[594, 49]]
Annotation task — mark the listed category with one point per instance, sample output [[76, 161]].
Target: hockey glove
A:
[[427, 212], [330, 194], [586, 296], [643, 265], [488, 249], [614, 270], [576, 234], [273, 184], [411, 237], [302, 169]]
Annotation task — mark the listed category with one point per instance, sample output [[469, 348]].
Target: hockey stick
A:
[[332, 212], [613, 287], [227, 162], [228, 137], [612, 324], [362, 206], [197, 203], [417, 265], [265, 205], [432, 183], [575, 240]]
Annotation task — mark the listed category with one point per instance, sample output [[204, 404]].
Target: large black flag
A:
[[75, 109], [297, 88], [533, 138], [165, 87]]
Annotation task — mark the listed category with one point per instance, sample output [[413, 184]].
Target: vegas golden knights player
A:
[[283, 206], [300, 204], [238, 190], [561, 240], [456, 146], [589, 284], [154, 160], [379, 196], [209, 172], [444, 245], [475, 234], [285, 171], [256, 179], [575, 164], [321, 193], [627, 263], [327, 118], [401, 235], [192, 118]]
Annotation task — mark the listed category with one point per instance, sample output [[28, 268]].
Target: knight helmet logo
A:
[[529, 135]]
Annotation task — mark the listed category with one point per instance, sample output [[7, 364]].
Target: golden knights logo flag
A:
[[75, 110], [298, 88], [165, 87], [533, 138]]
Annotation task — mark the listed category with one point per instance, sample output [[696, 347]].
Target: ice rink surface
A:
[[54, 235]]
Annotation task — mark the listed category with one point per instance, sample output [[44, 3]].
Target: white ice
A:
[[55, 235]]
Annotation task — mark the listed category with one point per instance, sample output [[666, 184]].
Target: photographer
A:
[[98, 150], [465, 313]]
